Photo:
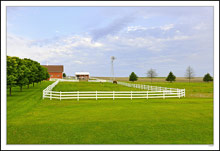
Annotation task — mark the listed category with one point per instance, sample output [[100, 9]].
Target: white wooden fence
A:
[[152, 92], [147, 87], [112, 94]]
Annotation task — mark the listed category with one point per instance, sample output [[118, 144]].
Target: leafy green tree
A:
[[22, 72], [151, 74], [11, 72], [133, 77], [31, 75], [64, 75], [35, 71], [171, 77], [32, 65], [46, 74], [41, 73], [207, 78]]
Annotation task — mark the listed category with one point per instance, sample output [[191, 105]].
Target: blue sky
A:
[[84, 38]]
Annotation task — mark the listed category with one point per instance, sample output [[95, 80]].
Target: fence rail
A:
[[147, 87], [151, 92], [112, 94]]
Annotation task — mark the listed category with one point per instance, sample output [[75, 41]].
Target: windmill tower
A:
[[112, 60]]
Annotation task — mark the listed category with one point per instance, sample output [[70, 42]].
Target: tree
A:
[[207, 78], [22, 72], [32, 65], [133, 77], [189, 73], [64, 75], [42, 73], [31, 75], [36, 72], [46, 74], [171, 77], [11, 72], [151, 74]]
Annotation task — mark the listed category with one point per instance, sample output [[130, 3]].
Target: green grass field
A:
[[31, 120], [91, 86]]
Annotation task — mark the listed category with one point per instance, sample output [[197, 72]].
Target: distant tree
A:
[[151, 74], [207, 78], [64, 75], [11, 72], [171, 77], [133, 77], [189, 73]]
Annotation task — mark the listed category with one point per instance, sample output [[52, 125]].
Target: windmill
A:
[[112, 59]]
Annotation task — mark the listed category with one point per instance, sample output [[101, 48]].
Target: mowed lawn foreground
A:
[[31, 120]]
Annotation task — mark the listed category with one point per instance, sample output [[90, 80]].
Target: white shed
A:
[[82, 75]]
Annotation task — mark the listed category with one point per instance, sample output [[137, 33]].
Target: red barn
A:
[[55, 71]]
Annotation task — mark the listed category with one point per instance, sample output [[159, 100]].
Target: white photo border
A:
[[215, 4]]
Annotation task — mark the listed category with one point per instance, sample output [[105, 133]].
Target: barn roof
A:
[[54, 68], [81, 73]]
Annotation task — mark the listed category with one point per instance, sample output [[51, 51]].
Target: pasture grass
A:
[[91, 86], [31, 120], [193, 90]]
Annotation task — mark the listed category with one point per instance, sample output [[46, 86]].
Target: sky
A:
[[83, 39]]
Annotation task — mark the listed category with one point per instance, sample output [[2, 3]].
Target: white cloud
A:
[[78, 62], [167, 27], [53, 50], [201, 26], [134, 28], [163, 28]]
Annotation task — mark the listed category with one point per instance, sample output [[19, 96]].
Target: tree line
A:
[[171, 77], [21, 72]]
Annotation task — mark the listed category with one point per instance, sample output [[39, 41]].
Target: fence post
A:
[[147, 94], [43, 94], [60, 95], [178, 93], [131, 95], [50, 95], [163, 94], [184, 92], [78, 96], [96, 96], [113, 95]]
